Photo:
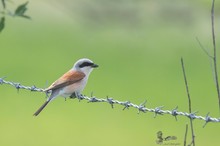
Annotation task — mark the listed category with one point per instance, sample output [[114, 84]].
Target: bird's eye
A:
[[84, 64]]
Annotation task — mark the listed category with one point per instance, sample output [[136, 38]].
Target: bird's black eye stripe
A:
[[84, 64]]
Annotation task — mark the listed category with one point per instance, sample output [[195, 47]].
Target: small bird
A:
[[71, 83]]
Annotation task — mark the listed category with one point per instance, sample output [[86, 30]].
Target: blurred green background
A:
[[138, 45]]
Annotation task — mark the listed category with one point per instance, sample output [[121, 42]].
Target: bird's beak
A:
[[95, 66]]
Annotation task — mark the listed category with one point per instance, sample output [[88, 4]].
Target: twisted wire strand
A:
[[126, 104]]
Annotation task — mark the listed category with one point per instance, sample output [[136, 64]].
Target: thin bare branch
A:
[[186, 84], [185, 137], [189, 101], [215, 52], [204, 49], [211, 58]]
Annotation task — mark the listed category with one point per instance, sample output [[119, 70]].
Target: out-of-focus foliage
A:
[[2, 23], [3, 4], [19, 12]]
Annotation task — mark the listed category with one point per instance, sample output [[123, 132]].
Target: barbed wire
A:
[[126, 104]]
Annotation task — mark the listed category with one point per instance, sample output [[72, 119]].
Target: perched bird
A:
[[71, 83]]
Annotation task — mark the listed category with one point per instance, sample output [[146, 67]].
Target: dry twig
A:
[[189, 101]]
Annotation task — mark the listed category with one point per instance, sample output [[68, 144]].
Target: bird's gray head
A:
[[85, 65]]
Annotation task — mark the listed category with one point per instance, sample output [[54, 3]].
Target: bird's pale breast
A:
[[76, 87]]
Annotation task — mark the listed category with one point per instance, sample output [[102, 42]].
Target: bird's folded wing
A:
[[68, 78]]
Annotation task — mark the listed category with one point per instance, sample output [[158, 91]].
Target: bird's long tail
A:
[[41, 108], [53, 95]]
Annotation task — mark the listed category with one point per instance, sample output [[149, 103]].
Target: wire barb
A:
[[192, 116], [17, 86], [1, 81], [33, 88], [174, 112], [207, 119], [126, 104], [79, 96], [110, 101], [158, 111], [141, 107], [93, 99]]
